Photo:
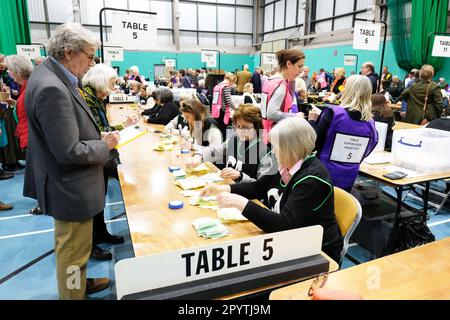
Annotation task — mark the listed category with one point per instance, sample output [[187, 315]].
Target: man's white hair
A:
[[71, 36]]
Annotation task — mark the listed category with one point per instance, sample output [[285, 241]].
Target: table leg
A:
[[399, 191], [425, 200]]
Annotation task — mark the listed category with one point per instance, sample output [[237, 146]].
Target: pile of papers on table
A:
[[210, 228]]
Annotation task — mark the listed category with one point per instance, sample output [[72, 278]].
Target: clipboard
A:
[[129, 134]]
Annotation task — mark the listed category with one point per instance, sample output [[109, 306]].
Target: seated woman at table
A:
[[299, 195], [346, 133], [203, 128], [179, 122], [244, 156], [383, 113], [337, 87], [164, 110]]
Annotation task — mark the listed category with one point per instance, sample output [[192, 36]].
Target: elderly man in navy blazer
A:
[[66, 155]]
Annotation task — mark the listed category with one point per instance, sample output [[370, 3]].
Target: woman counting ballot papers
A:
[[346, 133], [299, 195], [243, 156], [278, 92]]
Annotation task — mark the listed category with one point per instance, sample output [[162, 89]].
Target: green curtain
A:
[[428, 16], [412, 45], [15, 26], [401, 32]]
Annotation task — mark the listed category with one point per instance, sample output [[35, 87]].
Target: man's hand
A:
[[111, 139]]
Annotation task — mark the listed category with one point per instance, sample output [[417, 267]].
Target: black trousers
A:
[[99, 226]]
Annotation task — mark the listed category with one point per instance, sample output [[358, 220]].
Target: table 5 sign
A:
[[171, 268]]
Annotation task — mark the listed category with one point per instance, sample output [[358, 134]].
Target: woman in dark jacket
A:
[[96, 85], [164, 110], [299, 195]]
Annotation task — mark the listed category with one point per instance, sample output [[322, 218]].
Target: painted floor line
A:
[[113, 203], [26, 234], [16, 217], [438, 223], [18, 235]]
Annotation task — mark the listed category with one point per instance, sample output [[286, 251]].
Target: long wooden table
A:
[[415, 274], [148, 187]]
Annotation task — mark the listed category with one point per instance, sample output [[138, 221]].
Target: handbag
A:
[[424, 120], [3, 136], [408, 233]]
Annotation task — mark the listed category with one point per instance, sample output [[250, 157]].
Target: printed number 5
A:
[[134, 35], [349, 156], [268, 248]]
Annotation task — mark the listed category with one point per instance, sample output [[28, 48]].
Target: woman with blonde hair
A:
[[299, 194], [337, 86], [346, 133], [248, 94]]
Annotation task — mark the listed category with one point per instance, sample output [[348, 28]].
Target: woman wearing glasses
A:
[[244, 155], [299, 195]]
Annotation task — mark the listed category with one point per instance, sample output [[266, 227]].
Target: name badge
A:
[[264, 105], [215, 97], [348, 148]]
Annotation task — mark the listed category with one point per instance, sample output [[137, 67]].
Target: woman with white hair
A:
[[346, 133], [337, 86], [97, 83], [135, 76], [299, 195], [20, 70]]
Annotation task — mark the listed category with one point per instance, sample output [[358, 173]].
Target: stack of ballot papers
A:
[[190, 183], [210, 228], [211, 177], [201, 168], [179, 174], [129, 134], [230, 215], [378, 158], [209, 202], [163, 147]]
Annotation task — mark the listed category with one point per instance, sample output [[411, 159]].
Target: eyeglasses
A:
[[237, 127], [318, 282], [90, 56]]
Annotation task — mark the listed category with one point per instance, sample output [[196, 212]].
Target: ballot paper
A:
[[378, 158], [170, 140], [129, 134], [230, 215], [209, 228], [163, 147], [190, 193], [190, 183], [179, 174], [211, 177], [206, 202], [201, 168]]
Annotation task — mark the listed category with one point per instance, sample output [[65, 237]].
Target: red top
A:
[[22, 126]]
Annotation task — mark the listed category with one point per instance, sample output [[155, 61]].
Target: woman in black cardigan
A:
[[299, 195], [164, 110]]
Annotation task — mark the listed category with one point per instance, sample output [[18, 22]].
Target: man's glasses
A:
[[318, 282], [90, 56]]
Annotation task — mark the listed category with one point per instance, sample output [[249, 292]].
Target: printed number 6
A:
[[349, 156], [268, 248], [134, 35], [366, 41]]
